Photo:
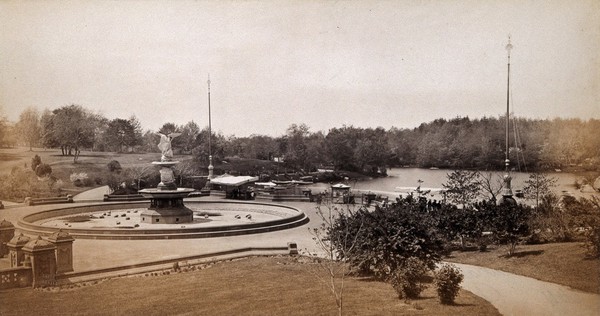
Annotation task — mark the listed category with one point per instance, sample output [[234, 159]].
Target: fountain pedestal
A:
[[166, 200]]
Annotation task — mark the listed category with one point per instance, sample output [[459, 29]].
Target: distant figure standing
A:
[[165, 146]]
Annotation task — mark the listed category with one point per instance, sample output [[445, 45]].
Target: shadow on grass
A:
[[523, 254], [81, 155], [461, 304], [363, 278], [421, 298], [8, 157]]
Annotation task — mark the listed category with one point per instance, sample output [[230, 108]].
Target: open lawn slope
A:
[[251, 286], [21, 157]]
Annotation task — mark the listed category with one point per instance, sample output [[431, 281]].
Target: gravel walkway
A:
[[518, 295]]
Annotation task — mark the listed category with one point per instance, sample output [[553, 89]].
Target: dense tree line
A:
[[459, 143]]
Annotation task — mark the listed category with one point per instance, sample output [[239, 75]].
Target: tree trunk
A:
[[76, 155]]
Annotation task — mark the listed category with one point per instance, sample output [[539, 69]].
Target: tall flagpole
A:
[[210, 165], [507, 190]]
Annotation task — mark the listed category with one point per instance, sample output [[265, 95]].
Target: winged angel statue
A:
[[165, 146]]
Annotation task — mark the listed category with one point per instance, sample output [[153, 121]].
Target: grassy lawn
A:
[[94, 164], [18, 157], [562, 263], [251, 286]]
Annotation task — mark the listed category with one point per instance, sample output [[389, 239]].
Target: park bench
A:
[[48, 200], [123, 197]]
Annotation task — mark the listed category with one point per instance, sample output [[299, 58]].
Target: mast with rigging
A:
[[507, 196]]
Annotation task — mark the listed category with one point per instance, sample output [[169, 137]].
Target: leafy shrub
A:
[[117, 183], [35, 161], [590, 219], [80, 179], [508, 223], [43, 170], [59, 184], [114, 166], [21, 183], [408, 280], [584, 218], [592, 243], [447, 282], [389, 237]]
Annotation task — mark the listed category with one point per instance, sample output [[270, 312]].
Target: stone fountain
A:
[[166, 200]]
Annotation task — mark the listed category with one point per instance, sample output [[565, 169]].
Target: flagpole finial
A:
[[509, 46]]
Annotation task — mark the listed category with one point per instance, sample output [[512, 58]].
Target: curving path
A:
[[96, 194], [514, 294]]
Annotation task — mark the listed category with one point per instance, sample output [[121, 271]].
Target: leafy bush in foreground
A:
[[43, 170], [35, 161], [585, 218], [408, 280], [22, 183], [389, 237], [447, 281], [592, 244], [114, 166], [508, 223], [80, 179]]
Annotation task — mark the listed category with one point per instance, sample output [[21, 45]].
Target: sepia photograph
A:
[[300, 157]]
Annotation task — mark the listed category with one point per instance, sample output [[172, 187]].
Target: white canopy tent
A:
[[233, 181]]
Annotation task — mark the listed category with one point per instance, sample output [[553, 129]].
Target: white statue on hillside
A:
[[165, 146]]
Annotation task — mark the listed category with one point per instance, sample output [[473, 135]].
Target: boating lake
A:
[[434, 178]]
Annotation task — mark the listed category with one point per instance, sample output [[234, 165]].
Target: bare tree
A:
[[138, 173], [490, 185], [28, 127], [537, 186], [332, 246], [462, 186], [184, 169]]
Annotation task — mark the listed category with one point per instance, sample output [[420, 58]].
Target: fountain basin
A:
[[166, 206], [210, 219]]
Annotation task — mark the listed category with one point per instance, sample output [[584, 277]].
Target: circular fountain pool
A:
[[123, 220]]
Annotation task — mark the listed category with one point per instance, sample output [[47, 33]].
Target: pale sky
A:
[[323, 63]]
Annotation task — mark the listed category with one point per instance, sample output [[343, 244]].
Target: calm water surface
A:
[[409, 177]]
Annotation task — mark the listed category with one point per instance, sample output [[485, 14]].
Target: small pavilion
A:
[[235, 187]]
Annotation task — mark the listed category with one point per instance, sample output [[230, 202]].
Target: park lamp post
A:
[[210, 165], [206, 189]]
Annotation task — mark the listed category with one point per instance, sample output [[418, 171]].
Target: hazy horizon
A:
[[325, 64]]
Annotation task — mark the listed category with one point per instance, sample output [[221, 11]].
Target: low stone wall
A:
[[15, 277], [157, 265], [49, 200], [283, 198], [125, 197]]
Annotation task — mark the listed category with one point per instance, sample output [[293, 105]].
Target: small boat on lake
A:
[[419, 190]]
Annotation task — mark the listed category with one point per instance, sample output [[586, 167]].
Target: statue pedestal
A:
[[166, 201], [166, 206], [167, 177]]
